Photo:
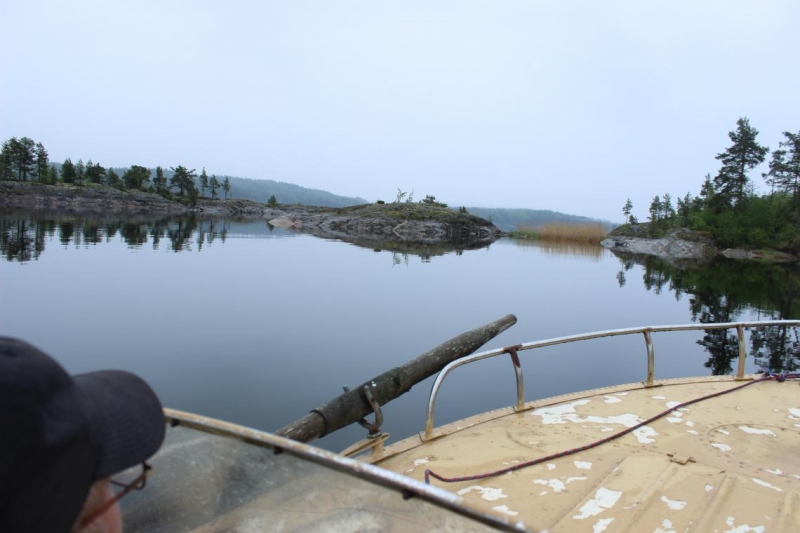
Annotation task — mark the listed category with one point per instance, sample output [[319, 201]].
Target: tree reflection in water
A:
[[723, 291], [22, 236], [21, 240]]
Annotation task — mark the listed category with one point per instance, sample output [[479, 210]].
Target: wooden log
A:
[[353, 405]]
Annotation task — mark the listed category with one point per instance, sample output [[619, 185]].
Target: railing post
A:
[[742, 352], [651, 359], [512, 351], [428, 433]]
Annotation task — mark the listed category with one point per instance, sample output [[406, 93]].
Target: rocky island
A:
[[376, 224]]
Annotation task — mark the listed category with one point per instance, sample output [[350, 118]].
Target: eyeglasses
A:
[[134, 478]]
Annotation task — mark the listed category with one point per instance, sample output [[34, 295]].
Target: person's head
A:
[[62, 437]]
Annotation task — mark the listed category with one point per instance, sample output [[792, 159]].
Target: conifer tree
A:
[[183, 179], [42, 163], [656, 210], [626, 210], [52, 175], [95, 172], [114, 180], [80, 171], [68, 173], [684, 211], [214, 185], [226, 185], [136, 176], [744, 154], [667, 211], [784, 168], [160, 182], [203, 182], [17, 158], [6, 167]]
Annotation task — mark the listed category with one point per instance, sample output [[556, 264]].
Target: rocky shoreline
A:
[[681, 245], [378, 223]]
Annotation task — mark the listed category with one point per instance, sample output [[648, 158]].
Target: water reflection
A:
[[21, 240], [725, 291], [401, 250], [593, 252], [23, 235]]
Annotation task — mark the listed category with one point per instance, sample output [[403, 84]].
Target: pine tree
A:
[[26, 157], [136, 176], [80, 171], [52, 175], [214, 185], [667, 211], [784, 168], [160, 182], [226, 185], [183, 179], [272, 200], [203, 182], [744, 154], [17, 158], [707, 191], [6, 166], [684, 213], [656, 210], [42, 163], [114, 180], [626, 210], [95, 172], [68, 173]]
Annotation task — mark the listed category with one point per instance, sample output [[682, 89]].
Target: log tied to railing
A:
[[354, 405]]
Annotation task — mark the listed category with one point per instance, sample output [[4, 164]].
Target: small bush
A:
[[431, 200]]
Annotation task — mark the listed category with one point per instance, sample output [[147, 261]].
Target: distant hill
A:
[[261, 190], [510, 219], [286, 193]]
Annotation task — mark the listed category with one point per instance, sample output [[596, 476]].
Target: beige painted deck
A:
[[728, 464]]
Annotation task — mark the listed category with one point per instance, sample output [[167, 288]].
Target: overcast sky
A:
[[565, 105]]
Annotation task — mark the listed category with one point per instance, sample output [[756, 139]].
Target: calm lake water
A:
[[258, 325]]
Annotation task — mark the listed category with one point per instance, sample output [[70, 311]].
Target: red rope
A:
[[430, 473]]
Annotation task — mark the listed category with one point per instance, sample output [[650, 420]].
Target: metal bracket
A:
[[512, 351], [680, 458], [374, 429], [374, 444]]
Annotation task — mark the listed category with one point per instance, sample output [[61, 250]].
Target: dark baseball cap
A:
[[60, 433]]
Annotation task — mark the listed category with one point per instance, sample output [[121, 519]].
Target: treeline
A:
[[26, 160], [727, 205]]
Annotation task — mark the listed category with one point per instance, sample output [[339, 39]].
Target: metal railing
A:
[[513, 351]]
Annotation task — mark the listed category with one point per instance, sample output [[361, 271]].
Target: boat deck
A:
[[729, 463]]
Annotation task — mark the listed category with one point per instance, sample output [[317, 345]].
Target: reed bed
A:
[[563, 232]]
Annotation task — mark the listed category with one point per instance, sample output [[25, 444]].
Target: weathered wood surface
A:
[[353, 405]]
